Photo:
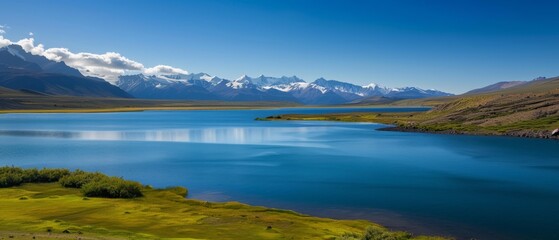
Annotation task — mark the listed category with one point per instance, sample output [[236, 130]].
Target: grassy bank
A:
[[426, 122], [52, 211]]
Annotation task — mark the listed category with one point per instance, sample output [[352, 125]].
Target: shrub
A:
[[349, 236], [91, 184], [372, 233], [112, 187], [100, 185], [79, 178], [30, 175], [9, 180], [14, 176], [52, 175], [377, 234]]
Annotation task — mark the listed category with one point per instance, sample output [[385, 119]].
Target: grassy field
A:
[[530, 110], [50, 211]]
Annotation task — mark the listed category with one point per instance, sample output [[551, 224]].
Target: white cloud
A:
[[108, 65], [164, 69], [31, 34], [4, 42], [28, 44]]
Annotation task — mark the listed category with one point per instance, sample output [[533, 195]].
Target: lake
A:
[[464, 186]]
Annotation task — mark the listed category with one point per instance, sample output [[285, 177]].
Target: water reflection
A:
[[228, 135]]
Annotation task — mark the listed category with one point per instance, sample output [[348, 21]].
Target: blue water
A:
[[463, 186]]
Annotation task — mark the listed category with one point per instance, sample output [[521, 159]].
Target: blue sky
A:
[[448, 45]]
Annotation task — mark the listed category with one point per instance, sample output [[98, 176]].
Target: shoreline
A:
[[419, 122], [138, 109], [534, 134], [44, 206], [527, 134], [187, 108]]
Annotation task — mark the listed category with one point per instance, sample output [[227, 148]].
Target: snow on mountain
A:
[[261, 88], [183, 86], [264, 82], [370, 85], [338, 86], [296, 86], [413, 92]]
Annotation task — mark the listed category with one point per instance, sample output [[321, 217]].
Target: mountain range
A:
[[21, 70], [202, 86]]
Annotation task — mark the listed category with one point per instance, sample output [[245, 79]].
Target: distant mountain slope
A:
[[22, 70], [375, 100], [497, 86], [9, 60], [57, 84], [249, 92], [262, 88], [151, 87], [44, 64]]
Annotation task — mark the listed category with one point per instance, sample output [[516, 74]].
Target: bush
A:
[[91, 184], [10, 176], [9, 180], [112, 187], [349, 236], [100, 185], [52, 175], [14, 176], [30, 175], [372, 233], [79, 178], [377, 234]]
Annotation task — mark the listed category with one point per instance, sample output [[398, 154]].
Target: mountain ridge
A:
[[497, 86], [246, 88], [21, 70], [24, 70]]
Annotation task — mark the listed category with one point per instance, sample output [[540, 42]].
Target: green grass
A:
[[49, 210], [539, 124]]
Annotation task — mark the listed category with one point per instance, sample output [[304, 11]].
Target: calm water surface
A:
[[464, 186]]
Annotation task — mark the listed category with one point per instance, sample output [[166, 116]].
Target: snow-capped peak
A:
[[242, 78], [306, 92], [371, 85]]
